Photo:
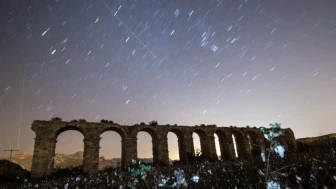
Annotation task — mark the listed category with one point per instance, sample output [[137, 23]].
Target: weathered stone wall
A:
[[250, 141], [321, 143]]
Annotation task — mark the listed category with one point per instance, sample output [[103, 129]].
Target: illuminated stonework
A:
[[249, 142]]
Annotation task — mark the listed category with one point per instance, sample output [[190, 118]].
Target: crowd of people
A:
[[297, 170]]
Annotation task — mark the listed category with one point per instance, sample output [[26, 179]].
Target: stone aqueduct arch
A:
[[47, 132]]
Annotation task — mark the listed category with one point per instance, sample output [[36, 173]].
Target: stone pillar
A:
[[247, 147], [232, 153], [291, 142], [91, 154], [204, 146], [227, 148], [155, 152], [182, 152], [161, 146], [44, 151], [211, 147], [262, 142], [188, 144], [243, 146], [128, 150]]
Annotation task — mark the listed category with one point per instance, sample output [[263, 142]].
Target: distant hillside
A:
[[65, 160], [24, 160]]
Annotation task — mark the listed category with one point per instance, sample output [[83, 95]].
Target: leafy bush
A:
[[153, 123], [74, 121], [142, 123], [241, 173], [198, 152], [109, 169], [82, 120], [197, 157], [270, 135], [103, 121], [67, 172], [56, 119], [213, 125], [10, 172], [141, 170]]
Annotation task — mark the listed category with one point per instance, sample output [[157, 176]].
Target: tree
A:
[[56, 119], [198, 152], [153, 123], [82, 120], [103, 121], [198, 156], [274, 146]]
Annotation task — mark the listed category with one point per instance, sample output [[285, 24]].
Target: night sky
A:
[[223, 62]]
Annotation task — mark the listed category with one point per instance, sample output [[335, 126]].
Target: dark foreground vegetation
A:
[[9, 171], [311, 170]]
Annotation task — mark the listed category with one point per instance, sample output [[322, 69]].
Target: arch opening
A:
[[69, 149], [235, 145], [222, 145], [68, 128], [200, 143], [110, 149], [254, 144], [173, 147], [217, 145], [197, 144], [238, 139], [145, 146]]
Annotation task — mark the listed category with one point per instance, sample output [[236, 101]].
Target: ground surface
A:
[[297, 171]]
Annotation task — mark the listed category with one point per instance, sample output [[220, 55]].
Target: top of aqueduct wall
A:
[[52, 129]]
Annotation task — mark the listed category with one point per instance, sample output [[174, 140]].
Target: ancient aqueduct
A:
[[47, 132]]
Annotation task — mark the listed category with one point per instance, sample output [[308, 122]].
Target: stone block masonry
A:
[[249, 142]]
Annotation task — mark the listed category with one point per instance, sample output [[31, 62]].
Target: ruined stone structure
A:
[[321, 143], [249, 142]]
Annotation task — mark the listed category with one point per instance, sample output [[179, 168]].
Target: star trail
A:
[[185, 62]]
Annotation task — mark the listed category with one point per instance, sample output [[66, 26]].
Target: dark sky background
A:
[[223, 62]]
